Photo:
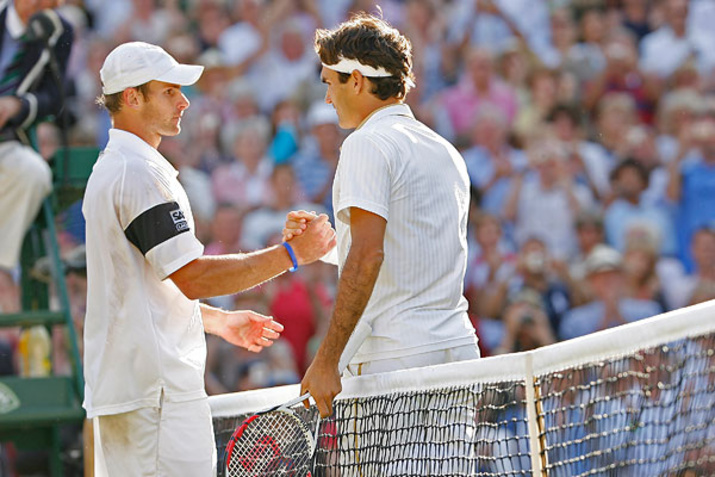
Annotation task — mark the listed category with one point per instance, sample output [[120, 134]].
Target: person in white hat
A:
[[145, 351]]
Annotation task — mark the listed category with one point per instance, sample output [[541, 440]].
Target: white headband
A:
[[346, 65]]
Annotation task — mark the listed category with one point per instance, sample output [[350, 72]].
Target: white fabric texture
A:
[[173, 440], [396, 167], [142, 334], [25, 180]]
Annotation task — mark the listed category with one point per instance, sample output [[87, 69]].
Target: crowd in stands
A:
[[587, 127]]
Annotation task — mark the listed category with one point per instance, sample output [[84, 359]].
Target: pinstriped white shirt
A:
[[396, 167]]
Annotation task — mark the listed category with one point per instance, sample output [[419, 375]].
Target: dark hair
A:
[[630, 163], [114, 102], [571, 111], [374, 42]]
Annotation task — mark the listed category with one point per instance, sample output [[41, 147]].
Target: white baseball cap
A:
[[136, 63], [322, 113]]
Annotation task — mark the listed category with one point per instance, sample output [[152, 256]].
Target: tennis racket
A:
[[277, 441]]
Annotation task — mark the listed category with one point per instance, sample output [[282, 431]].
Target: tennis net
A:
[[637, 400]]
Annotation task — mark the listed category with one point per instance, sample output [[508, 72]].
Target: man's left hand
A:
[[9, 107], [322, 380], [250, 330]]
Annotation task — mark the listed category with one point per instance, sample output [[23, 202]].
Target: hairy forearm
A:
[[355, 287], [209, 276]]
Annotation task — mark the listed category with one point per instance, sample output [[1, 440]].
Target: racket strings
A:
[[277, 443]]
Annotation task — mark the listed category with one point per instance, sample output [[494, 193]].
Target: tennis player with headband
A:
[[145, 349], [401, 198]]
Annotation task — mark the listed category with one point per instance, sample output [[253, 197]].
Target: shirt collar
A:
[[136, 145], [13, 23], [398, 109]]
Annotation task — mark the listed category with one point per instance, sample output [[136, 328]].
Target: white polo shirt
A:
[[396, 167], [142, 335]]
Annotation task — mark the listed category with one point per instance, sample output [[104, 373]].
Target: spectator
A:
[[698, 286], [635, 17], [588, 160], [242, 43], [25, 177], [545, 204], [615, 114], [432, 64], [242, 101], [225, 230], [492, 163], [670, 46], [498, 24], [289, 58], [478, 86], [244, 182], [604, 268], [211, 19], [536, 272], [196, 182], [285, 121], [642, 146], [676, 112], [262, 224], [490, 269], [622, 75], [300, 302], [639, 267], [589, 235], [317, 159], [147, 22], [586, 59], [542, 99], [526, 325], [691, 184], [629, 180]]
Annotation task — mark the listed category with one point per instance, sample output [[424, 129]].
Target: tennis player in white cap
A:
[[145, 351]]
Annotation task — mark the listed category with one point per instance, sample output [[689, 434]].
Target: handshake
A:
[[311, 236]]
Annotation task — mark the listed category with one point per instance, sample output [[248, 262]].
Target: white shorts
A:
[[431, 358], [173, 440]]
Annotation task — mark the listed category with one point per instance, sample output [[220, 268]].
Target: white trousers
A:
[[174, 440], [25, 180]]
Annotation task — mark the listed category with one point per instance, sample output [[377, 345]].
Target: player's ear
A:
[[131, 97], [358, 81]]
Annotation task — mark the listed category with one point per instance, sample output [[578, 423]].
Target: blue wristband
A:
[[292, 256]]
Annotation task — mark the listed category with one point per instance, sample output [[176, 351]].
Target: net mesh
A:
[[601, 406]]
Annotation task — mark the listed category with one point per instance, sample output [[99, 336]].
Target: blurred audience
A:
[[582, 123], [611, 307]]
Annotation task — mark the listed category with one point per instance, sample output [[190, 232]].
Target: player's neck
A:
[[131, 125], [375, 106]]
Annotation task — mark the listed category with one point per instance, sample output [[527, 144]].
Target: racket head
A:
[[275, 443]]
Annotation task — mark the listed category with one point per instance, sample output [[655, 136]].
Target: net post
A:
[[533, 408]]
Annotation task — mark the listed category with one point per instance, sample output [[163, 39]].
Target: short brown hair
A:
[[114, 102], [374, 42]]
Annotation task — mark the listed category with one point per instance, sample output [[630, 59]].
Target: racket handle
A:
[[294, 401]]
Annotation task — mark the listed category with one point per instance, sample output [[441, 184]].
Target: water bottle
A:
[[35, 347]]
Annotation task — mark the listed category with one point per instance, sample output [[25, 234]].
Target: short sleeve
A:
[[157, 220], [363, 177]]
